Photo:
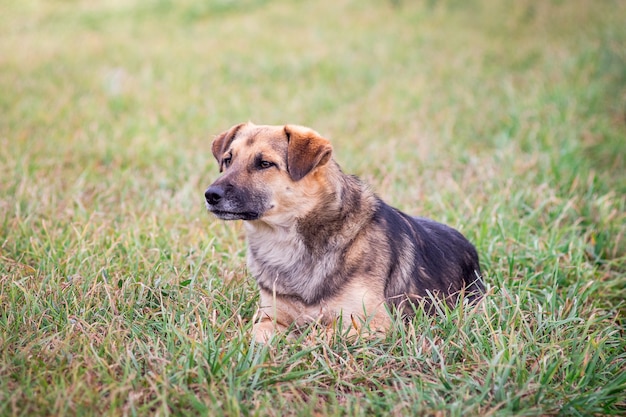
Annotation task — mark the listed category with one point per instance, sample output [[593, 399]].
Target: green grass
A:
[[119, 295]]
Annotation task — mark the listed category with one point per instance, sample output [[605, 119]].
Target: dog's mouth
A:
[[231, 215]]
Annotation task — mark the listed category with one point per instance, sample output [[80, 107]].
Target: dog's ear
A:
[[223, 141], [306, 150]]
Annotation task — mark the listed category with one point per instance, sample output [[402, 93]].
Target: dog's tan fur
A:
[[320, 243]]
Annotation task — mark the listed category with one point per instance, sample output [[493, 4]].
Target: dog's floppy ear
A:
[[223, 141], [306, 150]]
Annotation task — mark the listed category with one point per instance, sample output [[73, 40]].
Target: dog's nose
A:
[[214, 194]]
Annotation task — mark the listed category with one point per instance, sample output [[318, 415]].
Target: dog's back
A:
[[428, 260]]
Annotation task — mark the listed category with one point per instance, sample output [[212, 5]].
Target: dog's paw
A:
[[263, 332]]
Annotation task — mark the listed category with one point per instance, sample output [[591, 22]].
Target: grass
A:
[[119, 295]]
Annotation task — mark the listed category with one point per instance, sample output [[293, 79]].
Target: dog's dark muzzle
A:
[[222, 202]]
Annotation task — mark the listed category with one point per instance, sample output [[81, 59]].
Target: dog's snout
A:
[[214, 194]]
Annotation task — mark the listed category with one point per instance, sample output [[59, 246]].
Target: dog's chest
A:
[[280, 262]]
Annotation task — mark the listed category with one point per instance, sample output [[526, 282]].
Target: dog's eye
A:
[[226, 161], [266, 164]]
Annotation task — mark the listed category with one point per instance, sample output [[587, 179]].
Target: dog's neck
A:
[[346, 205]]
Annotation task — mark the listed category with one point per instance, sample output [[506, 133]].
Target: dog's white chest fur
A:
[[280, 262]]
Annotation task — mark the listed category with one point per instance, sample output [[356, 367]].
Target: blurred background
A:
[[395, 79]]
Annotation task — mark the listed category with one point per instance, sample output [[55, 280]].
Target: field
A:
[[121, 296]]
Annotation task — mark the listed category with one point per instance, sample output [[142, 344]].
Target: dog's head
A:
[[266, 171]]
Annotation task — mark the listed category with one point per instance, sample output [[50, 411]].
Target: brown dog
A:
[[321, 245]]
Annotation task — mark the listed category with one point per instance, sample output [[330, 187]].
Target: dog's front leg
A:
[[276, 314]]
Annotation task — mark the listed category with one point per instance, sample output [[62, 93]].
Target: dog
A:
[[322, 246]]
